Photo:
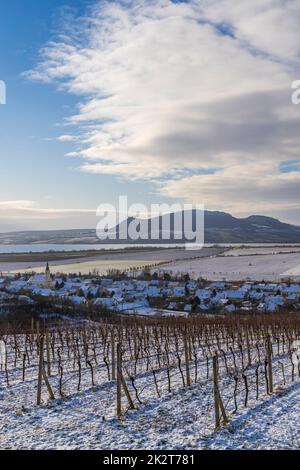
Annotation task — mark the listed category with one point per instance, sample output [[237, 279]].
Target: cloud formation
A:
[[29, 215], [194, 96]]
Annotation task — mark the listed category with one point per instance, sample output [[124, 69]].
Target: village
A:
[[148, 293]]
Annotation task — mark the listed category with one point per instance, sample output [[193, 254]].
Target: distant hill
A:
[[224, 228], [220, 227]]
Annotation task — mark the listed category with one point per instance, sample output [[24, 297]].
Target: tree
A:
[[187, 290], [90, 295], [80, 293]]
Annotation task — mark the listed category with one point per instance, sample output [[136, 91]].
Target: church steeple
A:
[[48, 276]]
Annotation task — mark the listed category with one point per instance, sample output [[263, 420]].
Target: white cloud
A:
[[29, 215], [17, 205], [268, 26], [30, 209], [247, 191], [66, 138], [175, 90]]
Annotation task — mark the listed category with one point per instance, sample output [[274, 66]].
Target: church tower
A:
[[48, 276]]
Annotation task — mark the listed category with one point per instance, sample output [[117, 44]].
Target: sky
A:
[[160, 100]]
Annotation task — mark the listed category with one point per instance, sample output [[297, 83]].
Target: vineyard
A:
[[225, 364]]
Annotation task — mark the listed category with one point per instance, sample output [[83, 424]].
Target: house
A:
[[24, 299], [188, 308], [179, 291], [292, 289], [238, 294], [203, 294], [132, 306], [76, 300], [105, 302], [230, 308], [152, 291]]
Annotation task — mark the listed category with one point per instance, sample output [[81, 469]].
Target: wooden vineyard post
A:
[[113, 355], [216, 395], [32, 329], [270, 370], [187, 357], [41, 366], [219, 407], [131, 405], [190, 348], [48, 355], [222, 408], [50, 391], [119, 381], [248, 349]]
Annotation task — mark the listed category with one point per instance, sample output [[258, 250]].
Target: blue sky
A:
[[30, 165], [33, 165], [170, 101]]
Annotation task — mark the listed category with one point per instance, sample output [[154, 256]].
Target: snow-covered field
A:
[[235, 268], [99, 266], [102, 261], [262, 250]]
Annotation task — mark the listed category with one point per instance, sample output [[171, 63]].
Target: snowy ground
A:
[[273, 424], [176, 421], [255, 267], [262, 250]]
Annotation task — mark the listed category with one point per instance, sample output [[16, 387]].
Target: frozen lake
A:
[[55, 247], [238, 248]]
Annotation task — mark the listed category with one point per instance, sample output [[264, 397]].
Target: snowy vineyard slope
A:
[[157, 357], [177, 421]]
